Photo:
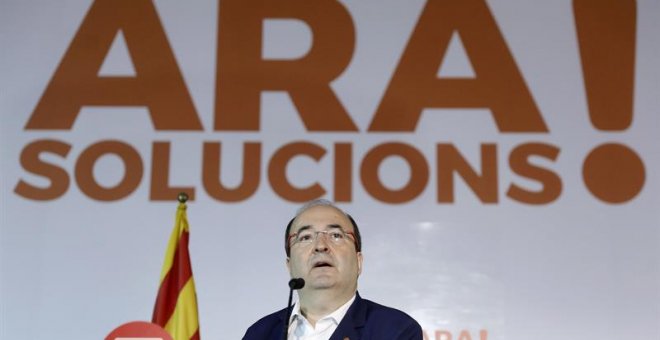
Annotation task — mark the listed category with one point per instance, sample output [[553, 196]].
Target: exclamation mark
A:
[[606, 31]]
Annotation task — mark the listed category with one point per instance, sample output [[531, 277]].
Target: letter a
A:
[[158, 83], [498, 85]]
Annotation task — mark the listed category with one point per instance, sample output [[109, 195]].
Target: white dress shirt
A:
[[301, 329]]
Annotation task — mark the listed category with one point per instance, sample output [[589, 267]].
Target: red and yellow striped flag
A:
[[176, 304]]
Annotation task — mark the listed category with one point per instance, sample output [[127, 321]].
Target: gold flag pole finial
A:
[[182, 197]]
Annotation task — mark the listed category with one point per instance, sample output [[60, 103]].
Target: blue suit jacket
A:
[[364, 320]]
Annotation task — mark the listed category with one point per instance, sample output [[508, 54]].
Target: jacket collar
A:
[[350, 327]]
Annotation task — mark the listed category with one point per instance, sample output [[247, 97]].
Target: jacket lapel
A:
[[279, 335], [350, 327]]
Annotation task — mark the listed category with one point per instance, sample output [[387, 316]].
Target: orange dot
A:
[[613, 173]]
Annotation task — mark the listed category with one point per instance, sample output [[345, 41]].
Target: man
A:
[[323, 246]]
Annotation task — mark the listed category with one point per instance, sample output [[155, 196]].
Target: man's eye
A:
[[336, 235], [304, 237]]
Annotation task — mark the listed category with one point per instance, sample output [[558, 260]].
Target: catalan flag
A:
[[176, 304]]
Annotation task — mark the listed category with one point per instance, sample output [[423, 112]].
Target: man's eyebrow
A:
[[305, 227], [329, 226]]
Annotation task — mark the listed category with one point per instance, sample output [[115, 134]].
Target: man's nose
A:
[[321, 243]]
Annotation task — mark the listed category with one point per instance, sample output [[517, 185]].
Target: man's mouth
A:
[[321, 264]]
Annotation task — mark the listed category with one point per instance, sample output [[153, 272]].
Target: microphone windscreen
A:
[[296, 283]]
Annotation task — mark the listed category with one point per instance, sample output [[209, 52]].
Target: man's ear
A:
[[359, 262], [288, 264]]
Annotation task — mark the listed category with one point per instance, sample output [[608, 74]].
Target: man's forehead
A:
[[322, 217]]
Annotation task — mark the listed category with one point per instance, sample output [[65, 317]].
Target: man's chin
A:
[[320, 283]]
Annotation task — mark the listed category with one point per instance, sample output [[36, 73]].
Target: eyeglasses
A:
[[306, 237]]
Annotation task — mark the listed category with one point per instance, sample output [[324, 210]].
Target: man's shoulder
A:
[[269, 324], [377, 310], [383, 322]]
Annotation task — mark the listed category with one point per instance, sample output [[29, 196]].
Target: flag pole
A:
[[176, 303]]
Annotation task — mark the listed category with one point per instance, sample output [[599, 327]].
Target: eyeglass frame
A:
[[317, 232], [357, 238]]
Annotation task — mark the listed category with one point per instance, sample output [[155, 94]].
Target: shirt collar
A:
[[336, 316]]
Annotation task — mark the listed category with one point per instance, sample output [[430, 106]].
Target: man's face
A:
[[322, 263]]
